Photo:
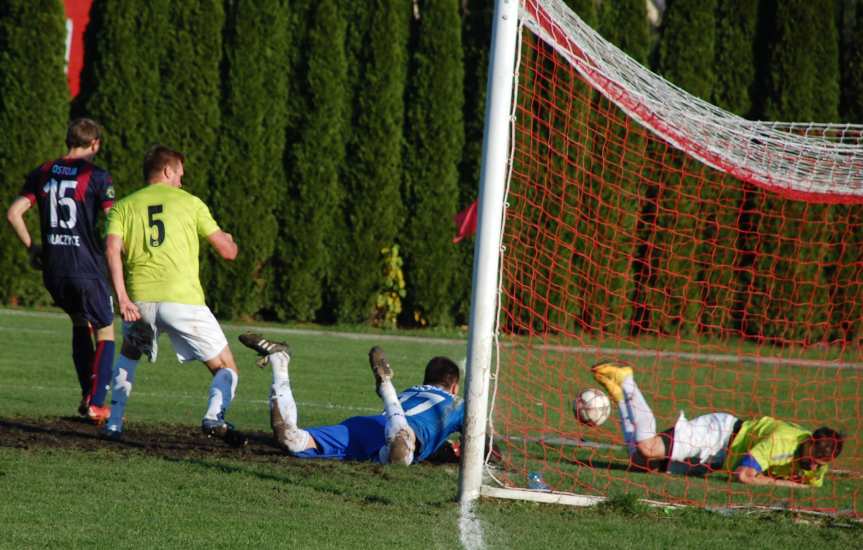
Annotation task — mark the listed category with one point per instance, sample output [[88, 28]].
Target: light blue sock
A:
[[222, 392], [123, 376]]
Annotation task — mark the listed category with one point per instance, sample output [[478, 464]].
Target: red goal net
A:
[[721, 258]]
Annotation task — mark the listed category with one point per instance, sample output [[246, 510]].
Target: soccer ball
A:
[[592, 407]]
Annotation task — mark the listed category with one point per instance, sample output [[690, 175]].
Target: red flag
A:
[[465, 222], [77, 19]]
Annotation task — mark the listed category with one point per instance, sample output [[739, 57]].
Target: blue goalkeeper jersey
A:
[[434, 415]]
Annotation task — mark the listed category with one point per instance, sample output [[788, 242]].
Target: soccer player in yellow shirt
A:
[[763, 451], [155, 234]]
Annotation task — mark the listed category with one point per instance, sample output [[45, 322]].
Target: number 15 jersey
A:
[[70, 193], [161, 227]]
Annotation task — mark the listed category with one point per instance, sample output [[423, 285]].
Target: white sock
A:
[[122, 378], [222, 392], [281, 395], [296, 440], [393, 410], [637, 411]]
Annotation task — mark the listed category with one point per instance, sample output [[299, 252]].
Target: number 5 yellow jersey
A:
[[161, 228]]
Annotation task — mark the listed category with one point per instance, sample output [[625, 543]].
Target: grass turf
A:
[[72, 498]]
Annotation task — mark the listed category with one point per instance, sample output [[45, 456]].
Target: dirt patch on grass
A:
[[166, 441]]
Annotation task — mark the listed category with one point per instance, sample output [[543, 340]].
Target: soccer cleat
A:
[[402, 447], [263, 347], [98, 415], [224, 431], [611, 375], [380, 366], [111, 435]]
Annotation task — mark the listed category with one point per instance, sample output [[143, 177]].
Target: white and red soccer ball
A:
[[591, 407]]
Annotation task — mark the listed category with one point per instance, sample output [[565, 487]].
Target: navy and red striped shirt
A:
[[70, 193]]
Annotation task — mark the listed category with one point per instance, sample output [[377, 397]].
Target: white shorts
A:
[[703, 440], [194, 331]]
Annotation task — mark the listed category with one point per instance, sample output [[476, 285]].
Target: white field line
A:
[[587, 350], [707, 357], [175, 397], [562, 442], [470, 528], [275, 330]]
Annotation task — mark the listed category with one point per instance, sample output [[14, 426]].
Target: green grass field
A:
[[124, 497]]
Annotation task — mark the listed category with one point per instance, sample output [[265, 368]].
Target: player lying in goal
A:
[[762, 451], [413, 426]]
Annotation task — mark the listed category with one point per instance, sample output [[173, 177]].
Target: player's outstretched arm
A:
[[750, 476], [224, 244], [114, 255]]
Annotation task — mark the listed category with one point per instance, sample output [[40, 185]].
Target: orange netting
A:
[[723, 296]]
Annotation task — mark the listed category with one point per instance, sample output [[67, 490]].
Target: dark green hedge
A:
[[313, 195], [248, 177], [120, 84], [372, 171], [34, 110], [323, 132], [434, 139]]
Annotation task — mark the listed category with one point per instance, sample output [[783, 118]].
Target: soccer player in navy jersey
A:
[[70, 192], [414, 424]]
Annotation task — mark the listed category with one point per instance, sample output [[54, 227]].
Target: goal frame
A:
[[497, 148], [484, 294]]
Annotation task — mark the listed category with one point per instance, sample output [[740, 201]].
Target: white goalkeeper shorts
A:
[[703, 439], [194, 331]]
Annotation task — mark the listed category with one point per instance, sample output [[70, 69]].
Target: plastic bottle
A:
[[535, 482]]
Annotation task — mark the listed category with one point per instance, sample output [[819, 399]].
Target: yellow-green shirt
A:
[[772, 443], [161, 227]]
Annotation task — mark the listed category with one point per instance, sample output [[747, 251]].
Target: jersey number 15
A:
[[57, 199]]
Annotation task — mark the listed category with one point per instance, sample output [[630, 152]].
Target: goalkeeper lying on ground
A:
[[762, 451], [413, 426]]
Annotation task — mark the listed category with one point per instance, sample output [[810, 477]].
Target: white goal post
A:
[[484, 297]]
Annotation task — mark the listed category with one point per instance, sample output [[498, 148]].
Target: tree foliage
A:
[[372, 172], [34, 110], [248, 174], [852, 62], [313, 193], [434, 139], [120, 84], [734, 55], [322, 133]]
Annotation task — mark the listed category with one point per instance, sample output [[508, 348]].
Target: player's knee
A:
[[652, 448], [400, 449], [105, 333], [225, 360]]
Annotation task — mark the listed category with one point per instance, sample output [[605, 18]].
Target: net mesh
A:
[[719, 257]]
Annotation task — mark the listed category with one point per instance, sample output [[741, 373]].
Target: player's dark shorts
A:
[[87, 298]]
